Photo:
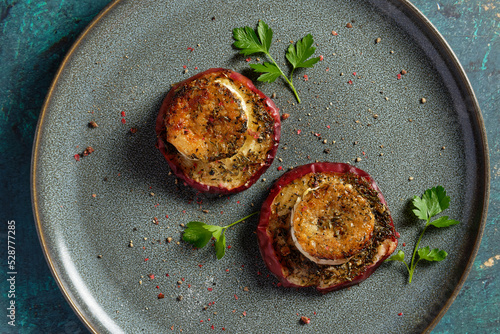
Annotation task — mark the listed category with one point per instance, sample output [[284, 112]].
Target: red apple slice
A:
[[325, 225], [217, 131]]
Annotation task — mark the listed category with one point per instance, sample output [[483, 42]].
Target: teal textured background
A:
[[34, 37]]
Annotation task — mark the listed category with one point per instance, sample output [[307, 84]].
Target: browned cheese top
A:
[[332, 222], [218, 131], [206, 120], [361, 204]]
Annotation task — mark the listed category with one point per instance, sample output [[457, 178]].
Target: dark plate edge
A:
[[34, 161], [433, 34], [451, 60]]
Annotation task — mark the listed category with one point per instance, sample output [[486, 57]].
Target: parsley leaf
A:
[[431, 255], [432, 202], [399, 256], [444, 222], [199, 234], [298, 55], [271, 71], [247, 40]]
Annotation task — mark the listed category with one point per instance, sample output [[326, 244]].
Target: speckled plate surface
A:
[[89, 212]]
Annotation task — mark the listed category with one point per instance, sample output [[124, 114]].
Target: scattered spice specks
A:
[[348, 25], [305, 320]]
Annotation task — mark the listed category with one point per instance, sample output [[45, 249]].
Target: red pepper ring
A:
[[273, 255], [259, 167]]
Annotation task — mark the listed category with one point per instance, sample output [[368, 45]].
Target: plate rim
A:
[[451, 60]]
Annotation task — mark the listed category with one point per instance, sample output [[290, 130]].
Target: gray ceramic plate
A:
[[126, 61]]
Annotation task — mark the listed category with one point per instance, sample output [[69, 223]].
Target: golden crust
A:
[[332, 223], [205, 120]]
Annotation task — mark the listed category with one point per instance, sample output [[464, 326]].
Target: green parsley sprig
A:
[[199, 234], [432, 202], [298, 55]]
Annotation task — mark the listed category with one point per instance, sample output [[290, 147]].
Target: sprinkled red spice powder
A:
[[349, 82], [280, 167], [321, 57], [236, 297], [299, 131], [209, 289], [400, 313], [190, 49], [124, 121], [184, 66], [306, 77], [122, 113], [77, 157], [248, 59], [399, 76], [161, 296], [354, 73], [146, 259], [334, 33]]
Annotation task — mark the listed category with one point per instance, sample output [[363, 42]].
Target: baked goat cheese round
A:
[[325, 225], [217, 131]]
